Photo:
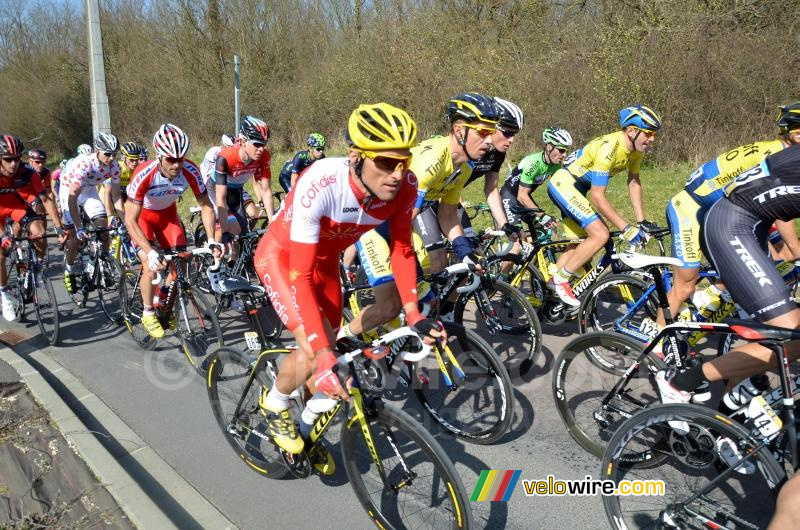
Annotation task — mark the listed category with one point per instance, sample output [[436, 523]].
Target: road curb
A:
[[130, 467]]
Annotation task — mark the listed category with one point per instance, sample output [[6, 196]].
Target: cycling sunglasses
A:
[[387, 162], [481, 130]]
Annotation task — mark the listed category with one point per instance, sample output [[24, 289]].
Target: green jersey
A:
[[530, 173]]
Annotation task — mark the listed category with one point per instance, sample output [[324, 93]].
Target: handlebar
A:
[[180, 255], [387, 339]]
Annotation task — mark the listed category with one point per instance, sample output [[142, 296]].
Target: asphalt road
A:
[[164, 401]]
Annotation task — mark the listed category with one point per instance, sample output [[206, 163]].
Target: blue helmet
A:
[[639, 116]]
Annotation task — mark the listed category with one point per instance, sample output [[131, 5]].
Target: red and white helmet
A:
[[171, 141]]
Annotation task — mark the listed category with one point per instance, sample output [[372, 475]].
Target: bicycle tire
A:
[[519, 337], [110, 269], [229, 373], [486, 389], [130, 297], [693, 456], [197, 328], [611, 298], [45, 304], [532, 285], [441, 502], [580, 384]]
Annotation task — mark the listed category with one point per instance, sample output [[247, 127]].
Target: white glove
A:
[[153, 260], [81, 234]]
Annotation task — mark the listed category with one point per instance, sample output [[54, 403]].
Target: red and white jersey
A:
[[154, 191], [230, 170], [324, 213], [88, 172]]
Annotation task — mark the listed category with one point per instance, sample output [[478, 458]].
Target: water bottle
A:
[[741, 394], [318, 404], [787, 270], [707, 302]]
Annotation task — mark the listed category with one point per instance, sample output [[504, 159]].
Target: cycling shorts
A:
[[736, 243], [570, 197], [88, 200], [466, 224], [426, 225], [272, 267], [163, 226], [684, 217]]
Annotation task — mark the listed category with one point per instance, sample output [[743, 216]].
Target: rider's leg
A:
[[684, 281], [36, 229], [597, 236], [787, 509], [386, 307]]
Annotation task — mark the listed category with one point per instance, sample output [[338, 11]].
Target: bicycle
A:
[[32, 284], [101, 273], [472, 398], [602, 378], [533, 268], [123, 250], [187, 313], [393, 481], [718, 471]]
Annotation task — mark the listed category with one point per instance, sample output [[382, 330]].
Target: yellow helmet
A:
[[380, 126]]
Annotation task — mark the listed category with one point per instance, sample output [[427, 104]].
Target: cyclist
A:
[[336, 201], [78, 190], [531, 172], [37, 158], [301, 160], [443, 165], [589, 169], [509, 123], [704, 187], [735, 234], [233, 166], [131, 158], [20, 187], [152, 215]]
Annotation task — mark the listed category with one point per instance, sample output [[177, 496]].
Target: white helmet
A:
[[226, 140], [171, 141], [106, 142], [557, 136], [85, 149], [510, 114]]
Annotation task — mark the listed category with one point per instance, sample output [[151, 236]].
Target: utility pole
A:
[[237, 102], [101, 118]]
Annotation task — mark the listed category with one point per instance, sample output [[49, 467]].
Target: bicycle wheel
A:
[[506, 321], [130, 298], [425, 489], [478, 406], [197, 267], [686, 464], [580, 384], [198, 328], [107, 279], [616, 301], [45, 305], [531, 283], [230, 380]]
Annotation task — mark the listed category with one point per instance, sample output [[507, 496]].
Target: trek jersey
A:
[[432, 162], [154, 191], [325, 213], [602, 158], [87, 171], [230, 170], [771, 190], [706, 184], [531, 172], [491, 163]]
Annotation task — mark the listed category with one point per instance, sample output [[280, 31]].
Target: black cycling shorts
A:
[[736, 243]]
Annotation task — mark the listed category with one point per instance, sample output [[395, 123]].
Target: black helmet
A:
[[253, 129], [471, 107], [106, 142], [789, 118], [11, 146], [38, 155]]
